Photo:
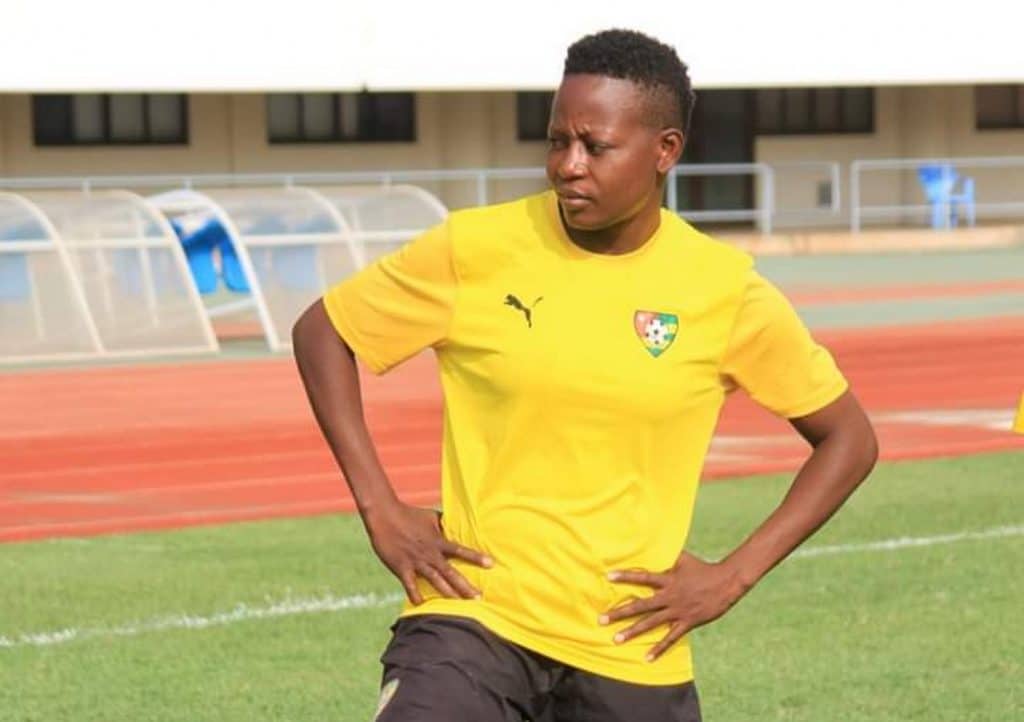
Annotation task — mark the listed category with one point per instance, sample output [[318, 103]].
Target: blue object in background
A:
[[939, 182], [198, 246], [15, 281], [293, 267], [231, 267]]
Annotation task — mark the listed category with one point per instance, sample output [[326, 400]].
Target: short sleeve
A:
[[400, 304], [772, 356]]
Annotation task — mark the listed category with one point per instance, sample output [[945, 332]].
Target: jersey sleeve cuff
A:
[[816, 402]]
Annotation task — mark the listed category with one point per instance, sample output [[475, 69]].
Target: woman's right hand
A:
[[410, 542]]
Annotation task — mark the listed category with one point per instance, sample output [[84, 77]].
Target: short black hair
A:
[[651, 64]]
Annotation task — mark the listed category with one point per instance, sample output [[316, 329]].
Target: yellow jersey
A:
[[581, 391]]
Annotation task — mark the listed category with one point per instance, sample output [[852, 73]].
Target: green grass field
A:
[[206, 624]]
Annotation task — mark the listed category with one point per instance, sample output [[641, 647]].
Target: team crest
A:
[[656, 331]]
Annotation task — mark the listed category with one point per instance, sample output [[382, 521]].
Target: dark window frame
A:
[[812, 125], [69, 140], [365, 122], [1016, 124], [524, 98]]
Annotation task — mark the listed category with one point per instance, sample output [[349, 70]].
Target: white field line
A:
[[241, 613], [907, 542], [329, 603]]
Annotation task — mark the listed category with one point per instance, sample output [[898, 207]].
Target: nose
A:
[[573, 163]]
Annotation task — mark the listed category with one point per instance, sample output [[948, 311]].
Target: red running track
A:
[[133, 448]]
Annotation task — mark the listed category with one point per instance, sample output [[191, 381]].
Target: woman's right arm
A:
[[407, 539]]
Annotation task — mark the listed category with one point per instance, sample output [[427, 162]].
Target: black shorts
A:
[[451, 669]]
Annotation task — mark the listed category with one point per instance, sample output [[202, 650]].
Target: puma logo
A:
[[511, 300]]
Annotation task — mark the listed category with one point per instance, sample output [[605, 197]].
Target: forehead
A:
[[599, 101]]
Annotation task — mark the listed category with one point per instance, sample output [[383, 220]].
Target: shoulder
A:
[[711, 253], [489, 237], [715, 266], [483, 218]]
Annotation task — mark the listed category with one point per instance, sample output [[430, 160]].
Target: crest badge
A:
[[655, 330]]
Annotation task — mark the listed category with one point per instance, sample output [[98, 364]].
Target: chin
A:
[[585, 220]]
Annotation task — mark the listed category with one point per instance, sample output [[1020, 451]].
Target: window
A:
[[998, 107], [110, 119], [341, 117], [791, 111], [532, 112]]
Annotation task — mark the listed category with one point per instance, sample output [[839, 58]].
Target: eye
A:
[[594, 148], [556, 143]]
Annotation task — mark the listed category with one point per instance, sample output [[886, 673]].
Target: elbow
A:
[[868, 449]]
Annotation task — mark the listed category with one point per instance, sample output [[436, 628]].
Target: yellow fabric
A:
[[571, 446], [1018, 423]]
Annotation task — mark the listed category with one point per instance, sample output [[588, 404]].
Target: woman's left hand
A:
[[690, 594]]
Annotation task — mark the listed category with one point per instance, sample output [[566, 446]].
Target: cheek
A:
[[632, 178]]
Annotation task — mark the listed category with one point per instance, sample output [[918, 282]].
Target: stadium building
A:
[[283, 150], [326, 89]]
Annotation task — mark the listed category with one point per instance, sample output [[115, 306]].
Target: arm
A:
[[407, 539], [844, 452], [695, 592]]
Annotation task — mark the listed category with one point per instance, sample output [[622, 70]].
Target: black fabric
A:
[[450, 669]]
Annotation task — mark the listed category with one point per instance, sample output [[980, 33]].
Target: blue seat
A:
[[198, 246], [15, 280], [939, 182], [212, 235], [294, 267], [230, 267]]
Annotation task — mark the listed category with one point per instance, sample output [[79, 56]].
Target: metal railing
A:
[[859, 211], [764, 212]]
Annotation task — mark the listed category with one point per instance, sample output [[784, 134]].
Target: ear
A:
[[670, 149]]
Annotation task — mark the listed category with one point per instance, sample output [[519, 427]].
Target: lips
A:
[[574, 201]]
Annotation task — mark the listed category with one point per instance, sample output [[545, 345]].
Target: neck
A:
[[619, 238]]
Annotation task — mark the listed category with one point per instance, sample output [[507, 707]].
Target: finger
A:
[[633, 609], [412, 591], [451, 549], [644, 625], [437, 581], [674, 635], [638, 576], [459, 582]]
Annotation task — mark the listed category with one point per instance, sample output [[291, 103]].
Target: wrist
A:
[[740, 578], [375, 509]]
